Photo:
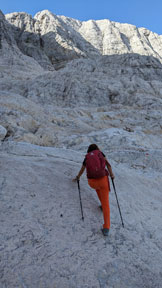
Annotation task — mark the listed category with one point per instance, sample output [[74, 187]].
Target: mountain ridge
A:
[[102, 37]]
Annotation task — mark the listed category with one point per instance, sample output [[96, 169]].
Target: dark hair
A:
[[92, 147]]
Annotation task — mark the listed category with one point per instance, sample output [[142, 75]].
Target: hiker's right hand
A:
[[75, 179], [112, 176]]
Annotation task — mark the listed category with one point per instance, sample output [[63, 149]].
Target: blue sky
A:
[[141, 13]]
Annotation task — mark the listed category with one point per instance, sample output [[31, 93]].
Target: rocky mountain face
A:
[[50, 63], [63, 39], [65, 84]]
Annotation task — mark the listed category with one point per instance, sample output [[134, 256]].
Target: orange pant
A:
[[101, 186]]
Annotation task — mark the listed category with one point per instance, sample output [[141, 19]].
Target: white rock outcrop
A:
[[45, 243]]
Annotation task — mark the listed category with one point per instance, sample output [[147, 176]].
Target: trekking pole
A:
[[117, 202], [80, 199]]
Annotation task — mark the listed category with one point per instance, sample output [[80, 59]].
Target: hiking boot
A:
[[105, 231]]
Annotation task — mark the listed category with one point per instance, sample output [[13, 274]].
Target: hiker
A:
[[94, 163]]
